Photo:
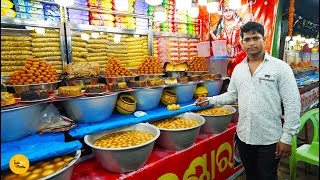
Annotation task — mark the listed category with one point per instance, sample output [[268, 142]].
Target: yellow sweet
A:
[[176, 123], [214, 111], [41, 169], [123, 139], [173, 107]]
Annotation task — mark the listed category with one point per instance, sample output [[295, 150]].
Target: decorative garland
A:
[[291, 17]]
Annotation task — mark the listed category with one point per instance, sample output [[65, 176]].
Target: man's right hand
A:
[[202, 101]]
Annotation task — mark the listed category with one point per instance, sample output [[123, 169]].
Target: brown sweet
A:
[[198, 64], [81, 70], [115, 69], [35, 71], [151, 65]]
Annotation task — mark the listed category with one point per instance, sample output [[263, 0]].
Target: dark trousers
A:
[[259, 161]]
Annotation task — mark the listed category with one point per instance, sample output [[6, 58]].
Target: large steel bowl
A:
[[216, 124], [148, 98], [17, 123], [50, 87], [235, 116], [66, 172], [178, 139], [213, 87], [121, 160], [82, 82], [184, 91], [90, 109]]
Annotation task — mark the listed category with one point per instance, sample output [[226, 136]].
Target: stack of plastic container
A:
[[192, 48], [180, 27], [101, 19], [79, 16], [7, 9], [141, 7], [27, 9], [163, 48], [51, 12]]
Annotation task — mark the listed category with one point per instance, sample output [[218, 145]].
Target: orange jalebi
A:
[[291, 16]]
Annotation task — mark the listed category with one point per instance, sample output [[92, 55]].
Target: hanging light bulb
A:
[[183, 5], [202, 2], [160, 14], [136, 36], [121, 5], [312, 40], [40, 30], [194, 11], [85, 36], [95, 35], [30, 28], [310, 46], [234, 4], [64, 3], [212, 6], [288, 38], [154, 2], [117, 38]]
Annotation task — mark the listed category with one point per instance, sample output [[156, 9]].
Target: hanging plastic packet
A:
[[50, 121]]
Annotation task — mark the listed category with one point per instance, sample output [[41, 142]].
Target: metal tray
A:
[[196, 72], [17, 101], [51, 87], [119, 79], [39, 100], [143, 77]]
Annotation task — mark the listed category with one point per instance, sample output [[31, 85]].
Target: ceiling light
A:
[[95, 35], [40, 30], [30, 28], [117, 38], [85, 36]]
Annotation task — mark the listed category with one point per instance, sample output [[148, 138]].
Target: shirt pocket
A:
[[265, 82]]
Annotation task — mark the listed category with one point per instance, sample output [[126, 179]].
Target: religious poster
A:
[[226, 24]]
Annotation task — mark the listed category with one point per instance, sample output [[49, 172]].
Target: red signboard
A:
[[211, 157], [308, 98]]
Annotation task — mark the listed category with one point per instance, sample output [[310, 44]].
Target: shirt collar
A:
[[267, 57]]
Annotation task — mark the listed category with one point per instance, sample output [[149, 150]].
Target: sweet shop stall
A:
[[105, 89], [301, 52]]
